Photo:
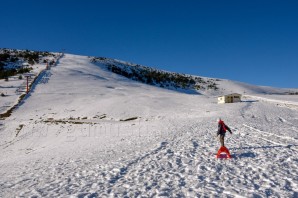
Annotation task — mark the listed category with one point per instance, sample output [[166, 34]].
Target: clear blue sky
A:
[[253, 41]]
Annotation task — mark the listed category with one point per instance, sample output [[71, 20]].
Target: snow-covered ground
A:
[[86, 132]]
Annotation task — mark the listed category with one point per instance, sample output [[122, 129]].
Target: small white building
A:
[[229, 98]]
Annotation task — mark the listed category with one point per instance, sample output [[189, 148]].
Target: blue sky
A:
[[253, 41]]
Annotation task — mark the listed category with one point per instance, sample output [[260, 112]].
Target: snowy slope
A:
[[86, 132], [15, 87]]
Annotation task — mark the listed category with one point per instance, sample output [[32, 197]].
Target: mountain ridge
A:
[[186, 83]]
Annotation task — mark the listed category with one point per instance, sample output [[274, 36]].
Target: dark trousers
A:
[[222, 139]]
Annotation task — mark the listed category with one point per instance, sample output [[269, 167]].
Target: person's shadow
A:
[[250, 154], [247, 155]]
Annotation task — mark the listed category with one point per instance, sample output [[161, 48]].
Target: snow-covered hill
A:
[[84, 131], [183, 82]]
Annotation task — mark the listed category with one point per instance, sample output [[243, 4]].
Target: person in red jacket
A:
[[221, 132]]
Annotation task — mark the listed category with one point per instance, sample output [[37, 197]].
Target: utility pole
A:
[[28, 75]]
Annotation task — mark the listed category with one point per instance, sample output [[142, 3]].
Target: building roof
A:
[[232, 94]]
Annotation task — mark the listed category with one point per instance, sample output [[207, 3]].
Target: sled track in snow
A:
[[290, 142], [254, 138], [269, 134]]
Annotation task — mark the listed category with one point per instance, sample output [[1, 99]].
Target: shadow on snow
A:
[[250, 154]]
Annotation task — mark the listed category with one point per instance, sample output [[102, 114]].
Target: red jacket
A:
[[222, 128]]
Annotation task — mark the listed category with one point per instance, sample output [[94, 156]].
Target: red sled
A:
[[223, 153]]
